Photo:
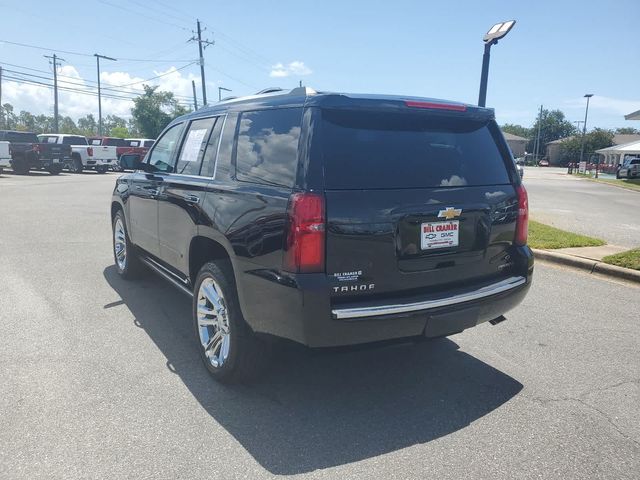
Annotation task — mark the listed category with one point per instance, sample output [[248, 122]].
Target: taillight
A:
[[90, 151], [436, 106], [36, 148], [522, 223], [304, 252]]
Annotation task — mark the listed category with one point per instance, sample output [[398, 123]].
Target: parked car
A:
[[83, 156], [629, 169], [543, 163], [28, 152], [327, 219], [5, 155], [140, 143], [520, 166]]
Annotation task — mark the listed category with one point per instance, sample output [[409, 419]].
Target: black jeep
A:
[[328, 219]]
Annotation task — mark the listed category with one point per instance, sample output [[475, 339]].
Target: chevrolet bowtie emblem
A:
[[449, 213]]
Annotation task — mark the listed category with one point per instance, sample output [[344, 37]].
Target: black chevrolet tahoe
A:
[[28, 152], [328, 219]]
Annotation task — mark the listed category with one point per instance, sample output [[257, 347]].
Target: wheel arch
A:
[[204, 249]]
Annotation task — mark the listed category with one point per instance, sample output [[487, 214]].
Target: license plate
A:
[[439, 234], [56, 160]]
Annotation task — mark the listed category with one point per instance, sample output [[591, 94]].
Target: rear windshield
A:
[[388, 150], [21, 137], [74, 140], [114, 142]]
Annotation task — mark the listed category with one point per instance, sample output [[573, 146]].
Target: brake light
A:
[[436, 106], [90, 151], [522, 222], [37, 148], [305, 243]]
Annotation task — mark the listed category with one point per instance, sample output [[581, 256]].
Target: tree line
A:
[[554, 126], [151, 112]]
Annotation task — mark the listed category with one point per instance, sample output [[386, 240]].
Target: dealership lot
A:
[[100, 378]]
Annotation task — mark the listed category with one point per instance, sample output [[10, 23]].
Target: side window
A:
[[193, 146], [161, 157], [210, 154], [267, 148], [222, 167]]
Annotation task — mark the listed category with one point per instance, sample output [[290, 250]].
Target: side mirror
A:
[[132, 161]]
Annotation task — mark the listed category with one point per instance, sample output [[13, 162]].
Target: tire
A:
[[55, 169], [76, 165], [128, 265], [20, 166], [236, 354], [101, 169]]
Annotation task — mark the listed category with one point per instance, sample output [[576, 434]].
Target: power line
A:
[[83, 82], [145, 13], [81, 54]]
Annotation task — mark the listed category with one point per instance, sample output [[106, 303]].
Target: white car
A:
[[630, 168], [5, 156], [83, 155]]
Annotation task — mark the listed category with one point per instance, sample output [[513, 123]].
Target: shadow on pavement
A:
[[320, 409]]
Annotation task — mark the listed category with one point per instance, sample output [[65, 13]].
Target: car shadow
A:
[[320, 409]]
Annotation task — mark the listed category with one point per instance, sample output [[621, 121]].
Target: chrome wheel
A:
[[213, 322], [120, 244]]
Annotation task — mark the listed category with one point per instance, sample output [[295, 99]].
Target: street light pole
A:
[[220, 89], [584, 127], [98, 57], [495, 33]]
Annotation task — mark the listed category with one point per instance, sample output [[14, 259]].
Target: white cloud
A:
[[616, 106], [279, 70], [38, 99]]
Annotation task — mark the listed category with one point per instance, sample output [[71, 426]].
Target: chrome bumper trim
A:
[[486, 291]]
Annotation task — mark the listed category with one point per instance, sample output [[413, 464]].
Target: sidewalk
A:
[[590, 259]]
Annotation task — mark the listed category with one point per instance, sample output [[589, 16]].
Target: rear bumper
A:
[[299, 308]]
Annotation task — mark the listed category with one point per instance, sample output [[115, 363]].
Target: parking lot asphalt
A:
[[578, 205], [100, 378]]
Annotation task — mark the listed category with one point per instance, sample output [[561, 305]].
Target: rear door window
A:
[[194, 145], [364, 150], [74, 141], [267, 147]]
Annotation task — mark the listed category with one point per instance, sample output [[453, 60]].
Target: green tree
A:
[[553, 126], [518, 130], [594, 140], [627, 131], [153, 110], [67, 125], [120, 132], [8, 118], [112, 122], [87, 125]]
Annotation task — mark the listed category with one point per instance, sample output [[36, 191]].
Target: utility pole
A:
[[195, 99], [98, 57], [220, 89], [584, 126], [201, 48], [55, 60], [536, 144]]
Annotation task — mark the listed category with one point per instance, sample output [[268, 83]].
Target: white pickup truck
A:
[[5, 156], [83, 155]]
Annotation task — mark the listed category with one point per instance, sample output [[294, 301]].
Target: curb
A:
[[592, 266], [624, 187]]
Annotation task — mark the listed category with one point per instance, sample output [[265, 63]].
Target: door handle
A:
[[191, 198]]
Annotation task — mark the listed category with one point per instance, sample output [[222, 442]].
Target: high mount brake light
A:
[[522, 222], [305, 242], [436, 106]]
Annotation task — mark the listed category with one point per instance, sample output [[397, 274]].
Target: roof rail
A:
[[270, 90]]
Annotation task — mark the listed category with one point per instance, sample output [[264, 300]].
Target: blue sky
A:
[[557, 52]]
